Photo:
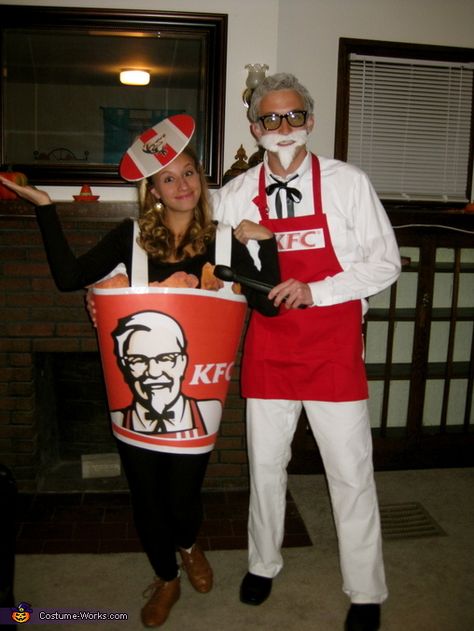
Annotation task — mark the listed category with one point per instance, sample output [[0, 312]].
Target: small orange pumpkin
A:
[[14, 176]]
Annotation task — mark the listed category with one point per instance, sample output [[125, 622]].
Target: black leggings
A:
[[165, 490]]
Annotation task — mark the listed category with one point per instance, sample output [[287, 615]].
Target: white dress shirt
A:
[[361, 233]]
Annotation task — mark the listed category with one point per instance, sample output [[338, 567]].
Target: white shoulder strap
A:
[[224, 248], [223, 244], [139, 261]]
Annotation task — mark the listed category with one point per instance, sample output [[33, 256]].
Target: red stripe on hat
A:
[[148, 135], [184, 123], [129, 169]]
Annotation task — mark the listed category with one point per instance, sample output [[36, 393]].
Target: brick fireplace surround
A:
[[38, 320]]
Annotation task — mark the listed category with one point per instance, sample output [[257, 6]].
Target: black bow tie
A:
[[160, 420], [292, 195]]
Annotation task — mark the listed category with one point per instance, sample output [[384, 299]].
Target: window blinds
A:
[[410, 126]]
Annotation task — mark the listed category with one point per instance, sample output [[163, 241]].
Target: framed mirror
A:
[[66, 118]]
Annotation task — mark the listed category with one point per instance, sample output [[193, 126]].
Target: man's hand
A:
[[292, 293], [247, 230]]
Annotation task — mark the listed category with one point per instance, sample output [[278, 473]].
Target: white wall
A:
[[300, 36], [309, 32]]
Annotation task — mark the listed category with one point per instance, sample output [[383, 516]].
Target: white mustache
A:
[[271, 141], [285, 152]]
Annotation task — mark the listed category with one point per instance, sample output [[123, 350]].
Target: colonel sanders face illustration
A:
[[151, 351]]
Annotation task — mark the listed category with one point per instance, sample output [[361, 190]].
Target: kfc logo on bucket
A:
[[211, 373], [300, 240], [167, 356]]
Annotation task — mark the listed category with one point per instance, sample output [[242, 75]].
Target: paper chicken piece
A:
[[178, 279], [208, 280], [114, 282]]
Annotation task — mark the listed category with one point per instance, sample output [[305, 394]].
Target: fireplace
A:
[[53, 408], [77, 448], [72, 407]]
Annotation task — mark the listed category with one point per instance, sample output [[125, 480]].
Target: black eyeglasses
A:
[[296, 118], [139, 363]]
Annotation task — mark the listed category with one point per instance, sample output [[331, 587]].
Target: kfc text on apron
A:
[[312, 354]]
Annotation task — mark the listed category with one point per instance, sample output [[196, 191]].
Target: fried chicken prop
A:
[[208, 282]]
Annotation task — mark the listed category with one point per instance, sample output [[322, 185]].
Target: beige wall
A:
[[301, 36]]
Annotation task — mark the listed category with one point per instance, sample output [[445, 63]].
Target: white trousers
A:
[[342, 432]]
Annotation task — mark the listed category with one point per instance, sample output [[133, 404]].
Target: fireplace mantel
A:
[[86, 211]]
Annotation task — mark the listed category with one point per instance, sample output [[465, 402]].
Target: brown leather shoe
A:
[[197, 568], [164, 594]]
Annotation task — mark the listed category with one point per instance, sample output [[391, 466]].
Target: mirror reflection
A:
[[66, 111]]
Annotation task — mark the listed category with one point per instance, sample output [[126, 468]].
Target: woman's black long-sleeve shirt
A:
[[71, 272]]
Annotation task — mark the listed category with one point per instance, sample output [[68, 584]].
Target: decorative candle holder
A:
[[256, 74]]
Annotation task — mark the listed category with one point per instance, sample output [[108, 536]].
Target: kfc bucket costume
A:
[[313, 357]]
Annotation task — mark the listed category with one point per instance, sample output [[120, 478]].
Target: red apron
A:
[[312, 354]]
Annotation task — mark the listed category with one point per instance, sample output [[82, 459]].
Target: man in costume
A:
[[336, 248]]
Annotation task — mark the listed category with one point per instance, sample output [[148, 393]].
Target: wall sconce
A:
[[135, 77], [256, 75]]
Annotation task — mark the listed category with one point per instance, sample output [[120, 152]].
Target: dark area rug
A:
[[59, 523]]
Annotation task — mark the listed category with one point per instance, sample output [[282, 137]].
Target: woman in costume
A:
[[178, 235]]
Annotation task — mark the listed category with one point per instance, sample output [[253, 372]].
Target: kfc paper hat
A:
[[157, 147]]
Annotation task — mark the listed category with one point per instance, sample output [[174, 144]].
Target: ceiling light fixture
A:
[[135, 77]]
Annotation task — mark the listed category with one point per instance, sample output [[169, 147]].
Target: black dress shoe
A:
[[363, 618], [254, 589]]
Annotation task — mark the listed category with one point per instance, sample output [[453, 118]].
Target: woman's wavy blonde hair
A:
[[156, 238]]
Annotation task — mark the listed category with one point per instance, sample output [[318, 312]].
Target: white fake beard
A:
[[285, 153]]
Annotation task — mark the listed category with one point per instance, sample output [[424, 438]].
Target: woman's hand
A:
[[247, 230], [292, 293], [31, 194], [90, 306], [114, 282]]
